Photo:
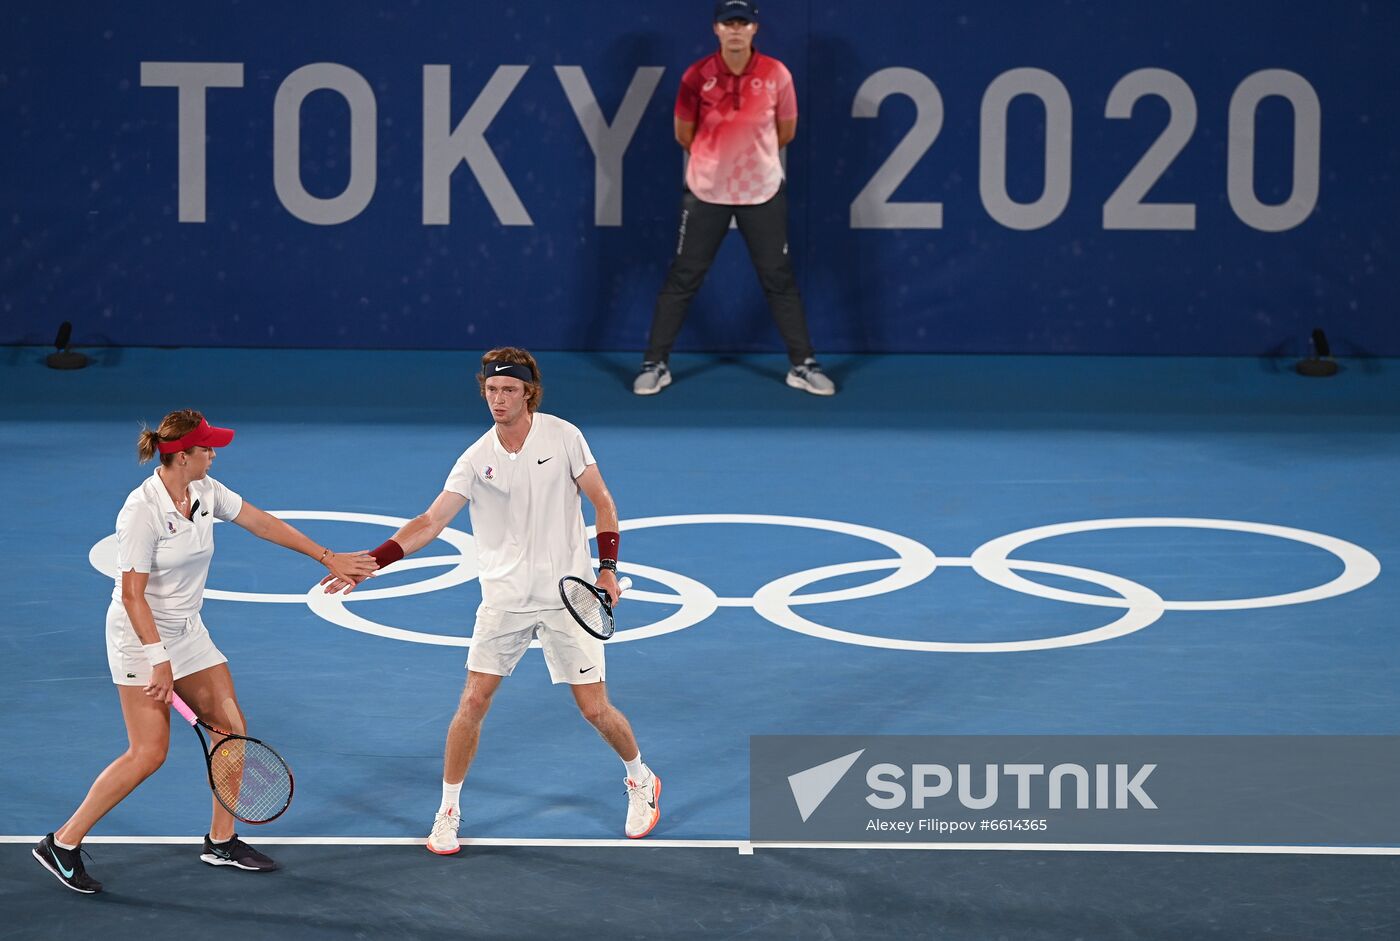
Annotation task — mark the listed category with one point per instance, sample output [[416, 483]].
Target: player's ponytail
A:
[[146, 444]]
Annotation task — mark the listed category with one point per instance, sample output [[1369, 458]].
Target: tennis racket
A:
[[589, 604], [247, 777]]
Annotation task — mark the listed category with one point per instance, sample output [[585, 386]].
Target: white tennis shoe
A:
[[643, 805], [443, 839]]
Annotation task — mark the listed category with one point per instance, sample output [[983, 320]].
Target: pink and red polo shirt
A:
[[734, 156]]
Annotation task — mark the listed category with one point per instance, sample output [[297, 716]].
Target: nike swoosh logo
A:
[[585, 671], [546, 459], [205, 513], [67, 873], [499, 368]]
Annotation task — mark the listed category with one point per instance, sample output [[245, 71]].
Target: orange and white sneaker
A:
[[643, 805], [443, 839]]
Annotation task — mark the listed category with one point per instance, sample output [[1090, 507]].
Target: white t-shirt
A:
[[154, 537], [527, 517]]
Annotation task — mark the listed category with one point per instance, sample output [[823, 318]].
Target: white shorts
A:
[[501, 638], [187, 641]]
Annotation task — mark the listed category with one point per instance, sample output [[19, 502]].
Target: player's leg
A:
[[578, 659], [210, 693], [464, 732], [148, 739], [463, 735], [764, 228], [643, 785], [499, 640], [702, 228], [607, 719]]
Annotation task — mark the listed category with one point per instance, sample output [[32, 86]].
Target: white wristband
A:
[[156, 653]]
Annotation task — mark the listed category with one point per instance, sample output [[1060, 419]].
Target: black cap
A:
[[736, 10]]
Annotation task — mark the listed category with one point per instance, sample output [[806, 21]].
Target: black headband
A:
[[514, 370]]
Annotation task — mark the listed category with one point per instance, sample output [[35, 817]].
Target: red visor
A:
[[204, 435]]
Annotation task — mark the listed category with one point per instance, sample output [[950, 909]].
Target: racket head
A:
[[588, 605], [250, 779]]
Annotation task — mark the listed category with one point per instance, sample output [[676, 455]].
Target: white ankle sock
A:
[[450, 798], [63, 846], [635, 771]]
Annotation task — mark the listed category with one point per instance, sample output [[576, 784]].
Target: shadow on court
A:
[[665, 892]]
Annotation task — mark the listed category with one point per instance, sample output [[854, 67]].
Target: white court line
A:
[[400, 841], [747, 847], [1102, 848]]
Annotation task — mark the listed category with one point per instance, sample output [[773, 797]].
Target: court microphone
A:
[[1320, 363], [62, 357]]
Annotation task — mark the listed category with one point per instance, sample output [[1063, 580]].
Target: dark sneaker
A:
[[66, 865], [809, 377], [236, 853], [652, 378]]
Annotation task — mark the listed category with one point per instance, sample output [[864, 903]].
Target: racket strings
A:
[[586, 604], [250, 779]]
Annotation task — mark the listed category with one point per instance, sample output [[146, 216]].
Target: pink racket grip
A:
[[183, 709]]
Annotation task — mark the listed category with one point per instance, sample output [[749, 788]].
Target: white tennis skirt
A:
[[187, 641]]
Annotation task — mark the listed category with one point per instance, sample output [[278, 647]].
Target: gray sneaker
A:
[[809, 378], [652, 379]]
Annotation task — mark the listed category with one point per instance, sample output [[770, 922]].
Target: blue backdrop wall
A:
[[1070, 176]]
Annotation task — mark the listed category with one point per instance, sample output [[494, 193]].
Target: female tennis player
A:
[[156, 640]]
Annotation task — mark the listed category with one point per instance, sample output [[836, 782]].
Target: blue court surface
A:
[[783, 549]]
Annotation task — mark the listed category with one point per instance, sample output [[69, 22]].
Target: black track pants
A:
[[702, 229]]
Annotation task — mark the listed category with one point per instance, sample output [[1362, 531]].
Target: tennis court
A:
[[727, 484]]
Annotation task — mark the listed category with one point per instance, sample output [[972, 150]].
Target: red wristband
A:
[[388, 553], [607, 546]]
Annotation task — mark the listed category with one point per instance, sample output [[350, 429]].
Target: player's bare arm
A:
[[428, 525], [415, 534], [605, 514], [343, 566], [143, 622]]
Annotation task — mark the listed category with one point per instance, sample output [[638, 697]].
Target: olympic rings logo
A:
[[912, 562]]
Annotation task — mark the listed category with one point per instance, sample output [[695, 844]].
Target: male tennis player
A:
[[735, 110], [523, 479]]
